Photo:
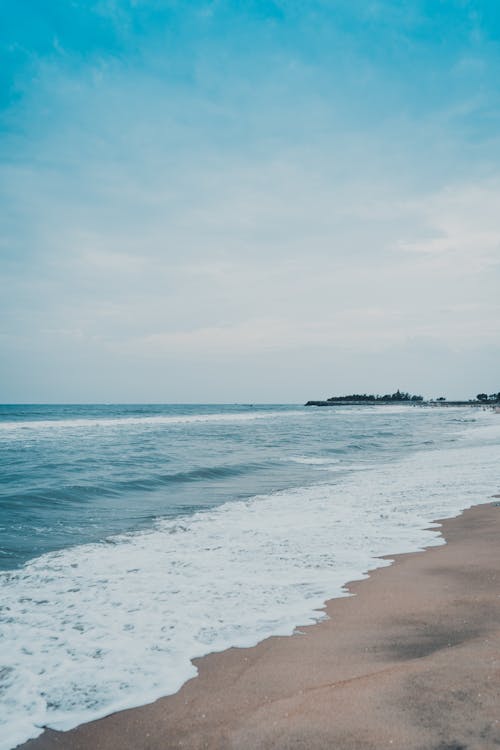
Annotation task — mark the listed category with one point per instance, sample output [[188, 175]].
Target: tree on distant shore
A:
[[398, 396], [484, 397]]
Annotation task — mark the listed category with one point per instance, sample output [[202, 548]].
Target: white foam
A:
[[101, 627], [313, 461], [330, 464], [364, 408], [483, 426], [156, 420]]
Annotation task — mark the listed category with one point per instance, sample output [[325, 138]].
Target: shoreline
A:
[[421, 634], [493, 405]]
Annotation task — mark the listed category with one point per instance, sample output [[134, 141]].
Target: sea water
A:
[[135, 538]]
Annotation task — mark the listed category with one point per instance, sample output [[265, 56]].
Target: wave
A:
[[311, 460], [102, 627], [156, 420], [76, 493], [330, 464]]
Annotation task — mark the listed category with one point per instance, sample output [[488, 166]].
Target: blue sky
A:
[[254, 201]]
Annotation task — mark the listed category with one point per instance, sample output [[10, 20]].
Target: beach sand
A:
[[412, 661]]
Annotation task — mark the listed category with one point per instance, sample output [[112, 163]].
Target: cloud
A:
[[219, 184], [464, 219]]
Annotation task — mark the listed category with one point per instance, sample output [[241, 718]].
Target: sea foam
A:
[[102, 627], [126, 422]]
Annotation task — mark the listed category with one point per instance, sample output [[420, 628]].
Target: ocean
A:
[[134, 538]]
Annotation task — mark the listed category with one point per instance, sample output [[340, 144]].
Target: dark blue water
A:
[[78, 473]]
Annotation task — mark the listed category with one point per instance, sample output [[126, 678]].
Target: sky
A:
[[255, 201]]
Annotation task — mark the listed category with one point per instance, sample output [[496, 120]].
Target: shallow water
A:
[[135, 538]]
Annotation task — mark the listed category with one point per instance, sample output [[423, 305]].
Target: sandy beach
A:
[[411, 661]]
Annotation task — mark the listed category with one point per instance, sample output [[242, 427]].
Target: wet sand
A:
[[412, 661]]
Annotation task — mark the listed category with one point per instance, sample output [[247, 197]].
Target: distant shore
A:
[[410, 662], [389, 402]]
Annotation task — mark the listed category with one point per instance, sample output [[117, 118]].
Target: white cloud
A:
[[466, 226], [140, 231]]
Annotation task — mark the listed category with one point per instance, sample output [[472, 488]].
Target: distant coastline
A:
[[401, 397], [349, 402]]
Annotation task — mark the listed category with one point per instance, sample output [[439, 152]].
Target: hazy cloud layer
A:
[[250, 202]]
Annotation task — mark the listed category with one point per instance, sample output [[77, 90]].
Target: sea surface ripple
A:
[[135, 538]]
